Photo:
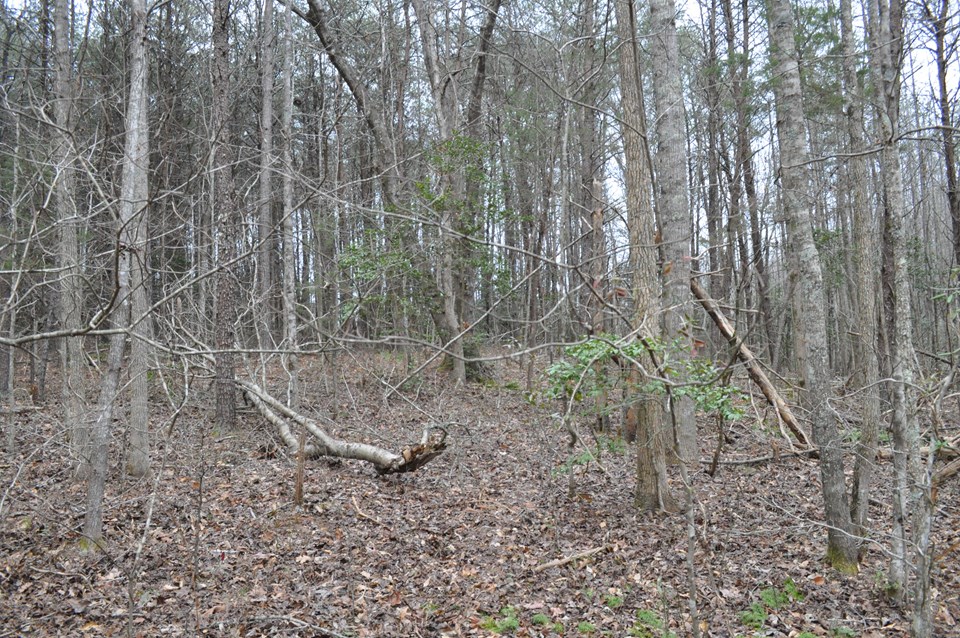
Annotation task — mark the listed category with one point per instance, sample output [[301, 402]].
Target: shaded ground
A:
[[452, 550]]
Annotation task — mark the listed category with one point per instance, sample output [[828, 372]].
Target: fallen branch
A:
[[757, 460], [410, 458], [750, 361], [569, 559], [361, 513]]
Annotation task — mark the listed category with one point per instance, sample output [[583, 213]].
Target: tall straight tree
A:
[[672, 199], [265, 205], [135, 226], [70, 308], [938, 22], [225, 213], [811, 323], [643, 417], [132, 205], [867, 268], [289, 292], [886, 35]]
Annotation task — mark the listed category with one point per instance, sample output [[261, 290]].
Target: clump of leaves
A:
[[507, 622], [540, 619], [648, 625], [771, 599], [754, 617]]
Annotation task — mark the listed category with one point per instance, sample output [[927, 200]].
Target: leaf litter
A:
[[485, 540]]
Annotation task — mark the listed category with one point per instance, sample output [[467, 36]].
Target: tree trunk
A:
[[290, 340], [868, 289], [135, 160], [265, 322], [811, 319], [138, 452], [71, 295], [643, 418], [671, 190], [225, 216]]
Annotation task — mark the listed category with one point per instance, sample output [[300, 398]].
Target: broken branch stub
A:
[[410, 458]]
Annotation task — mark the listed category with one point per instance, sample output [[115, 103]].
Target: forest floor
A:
[[459, 548]]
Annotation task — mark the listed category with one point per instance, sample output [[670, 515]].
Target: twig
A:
[[569, 559], [353, 499], [763, 459], [302, 624]]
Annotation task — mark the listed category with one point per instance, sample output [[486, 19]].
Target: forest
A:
[[518, 317]]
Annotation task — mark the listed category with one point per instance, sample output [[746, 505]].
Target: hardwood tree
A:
[[132, 207], [842, 548], [643, 419], [70, 307], [672, 199], [225, 206]]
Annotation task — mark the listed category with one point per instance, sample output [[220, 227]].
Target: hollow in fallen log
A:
[[409, 459]]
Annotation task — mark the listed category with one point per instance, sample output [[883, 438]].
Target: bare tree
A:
[[811, 322], [672, 199], [225, 203], [265, 321], [70, 311], [643, 416], [132, 206], [867, 287], [289, 291]]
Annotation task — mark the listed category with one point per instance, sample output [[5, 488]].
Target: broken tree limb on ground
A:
[[409, 459], [750, 361]]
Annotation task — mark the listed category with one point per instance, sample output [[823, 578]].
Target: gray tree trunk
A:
[[70, 308], [265, 322], [289, 258], [643, 417], [225, 213], [811, 316], [135, 159], [868, 284], [675, 218], [135, 227]]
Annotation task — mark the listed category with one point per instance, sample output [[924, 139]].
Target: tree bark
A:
[[225, 214], [290, 340], [70, 308], [868, 289], [135, 166], [141, 353], [643, 418], [672, 198], [265, 321], [811, 320]]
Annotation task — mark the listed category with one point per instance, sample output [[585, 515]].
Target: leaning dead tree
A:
[[409, 459]]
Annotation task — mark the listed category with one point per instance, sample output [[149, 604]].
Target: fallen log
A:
[[750, 361], [410, 458]]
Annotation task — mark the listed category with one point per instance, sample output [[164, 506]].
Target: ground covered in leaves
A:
[[477, 543]]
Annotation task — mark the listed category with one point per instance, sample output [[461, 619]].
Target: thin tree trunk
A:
[[225, 214], [886, 32], [71, 295], [867, 287], [811, 319], [138, 452], [135, 161], [289, 258], [265, 321]]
